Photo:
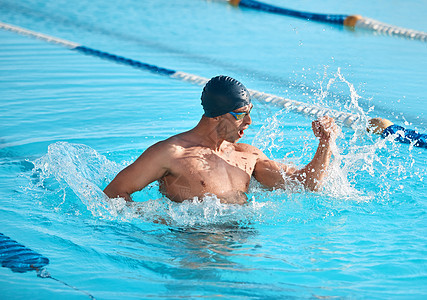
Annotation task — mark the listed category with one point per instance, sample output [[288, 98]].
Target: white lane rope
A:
[[346, 119], [391, 30]]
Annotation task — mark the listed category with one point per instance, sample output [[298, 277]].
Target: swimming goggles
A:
[[240, 116]]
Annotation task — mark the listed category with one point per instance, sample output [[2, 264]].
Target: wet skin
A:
[[196, 171], [208, 160]]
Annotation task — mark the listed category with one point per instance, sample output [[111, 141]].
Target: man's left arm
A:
[[271, 174]]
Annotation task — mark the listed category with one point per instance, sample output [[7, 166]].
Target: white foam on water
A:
[[83, 170], [358, 157], [80, 170]]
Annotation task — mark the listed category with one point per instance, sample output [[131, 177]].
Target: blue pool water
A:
[[70, 122]]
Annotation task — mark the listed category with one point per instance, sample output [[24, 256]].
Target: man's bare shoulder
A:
[[249, 149], [173, 146], [170, 146]]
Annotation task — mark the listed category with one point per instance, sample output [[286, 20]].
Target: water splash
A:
[[79, 168], [82, 170], [276, 136], [358, 157], [358, 160], [197, 212]]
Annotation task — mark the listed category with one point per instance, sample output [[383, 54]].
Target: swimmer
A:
[[386, 128], [208, 160]]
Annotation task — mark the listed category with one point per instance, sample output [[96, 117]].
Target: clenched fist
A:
[[325, 129]]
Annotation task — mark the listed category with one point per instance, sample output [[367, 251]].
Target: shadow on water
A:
[[213, 258]]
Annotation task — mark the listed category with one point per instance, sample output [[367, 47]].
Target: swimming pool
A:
[[70, 122]]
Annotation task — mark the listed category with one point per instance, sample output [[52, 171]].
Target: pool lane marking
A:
[[38, 35], [277, 80], [346, 20], [21, 259], [346, 119], [124, 60], [327, 18]]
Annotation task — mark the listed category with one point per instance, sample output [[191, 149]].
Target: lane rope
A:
[[21, 259], [392, 30], [50, 18], [343, 118], [327, 18], [346, 20]]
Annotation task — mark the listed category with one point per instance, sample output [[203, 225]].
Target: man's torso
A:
[[195, 171]]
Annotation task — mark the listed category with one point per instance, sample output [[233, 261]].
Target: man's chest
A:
[[205, 161], [212, 169]]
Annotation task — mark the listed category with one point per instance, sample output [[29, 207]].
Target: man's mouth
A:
[[241, 132]]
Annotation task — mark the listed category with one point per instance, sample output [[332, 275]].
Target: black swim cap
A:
[[223, 94]]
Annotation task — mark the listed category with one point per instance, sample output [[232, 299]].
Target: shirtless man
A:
[[208, 160]]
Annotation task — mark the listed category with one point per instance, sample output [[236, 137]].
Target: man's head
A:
[[227, 102], [223, 94], [377, 125]]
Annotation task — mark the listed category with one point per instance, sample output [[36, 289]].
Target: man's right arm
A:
[[150, 166]]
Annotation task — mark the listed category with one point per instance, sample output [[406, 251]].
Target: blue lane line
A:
[[19, 258], [335, 19], [125, 61], [406, 136]]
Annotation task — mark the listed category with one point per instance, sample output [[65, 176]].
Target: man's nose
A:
[[248, 119]]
